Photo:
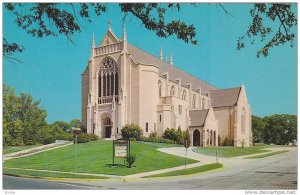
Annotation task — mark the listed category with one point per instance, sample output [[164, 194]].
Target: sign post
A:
[[185, 152], [186, 145]]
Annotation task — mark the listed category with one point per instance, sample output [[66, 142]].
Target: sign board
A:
[[121, 148]]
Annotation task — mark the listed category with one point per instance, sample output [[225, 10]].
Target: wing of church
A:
[[123, 84]]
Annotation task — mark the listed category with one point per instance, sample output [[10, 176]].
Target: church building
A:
[[123, 84]]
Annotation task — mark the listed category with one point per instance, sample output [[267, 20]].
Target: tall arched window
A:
[[172, 91], [108, 81], [243, 120], [184, 95], [159, 88], [194, 101], [203, 103]]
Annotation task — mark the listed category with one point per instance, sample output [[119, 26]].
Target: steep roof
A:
[[224, 97], [142, 56], [198, 117]]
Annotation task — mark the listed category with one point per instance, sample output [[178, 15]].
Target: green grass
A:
[[40, 174], [230, 151], [11, 149], [266, 155], [189, 171], [94, 157]]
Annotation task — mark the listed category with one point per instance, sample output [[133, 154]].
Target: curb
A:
[[187, 175], [53, 178], [121, 179]]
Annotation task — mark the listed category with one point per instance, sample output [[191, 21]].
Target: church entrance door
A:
[[107, 127], [107, 131], [196, 138]]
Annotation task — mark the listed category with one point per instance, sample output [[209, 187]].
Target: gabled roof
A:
[[224, 97], [143, 57], [198, 117], [111, 36]]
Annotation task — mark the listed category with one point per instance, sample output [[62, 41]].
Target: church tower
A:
[[103, 89]]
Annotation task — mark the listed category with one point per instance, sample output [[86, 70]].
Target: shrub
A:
[[186, 136], [175, 136], [84, 137], [65, 136], [130, 160], [156, 140], [227, 142], [219, 140], [131, 131], [132, 139], [153, 135]]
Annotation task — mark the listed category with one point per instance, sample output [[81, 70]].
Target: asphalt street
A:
[[274, 172]]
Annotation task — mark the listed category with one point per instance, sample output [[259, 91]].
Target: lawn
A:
[[11, 149], [230, 151], [95, 157], [189, 171]]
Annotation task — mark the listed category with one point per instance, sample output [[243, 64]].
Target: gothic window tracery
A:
[[108, 80]]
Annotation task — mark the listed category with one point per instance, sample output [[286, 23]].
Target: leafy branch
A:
[[273, 12]]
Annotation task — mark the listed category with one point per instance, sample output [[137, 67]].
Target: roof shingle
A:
[[198, 117], [141, 56], [224, 97]]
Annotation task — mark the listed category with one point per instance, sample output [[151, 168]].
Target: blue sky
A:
[[52, 66]]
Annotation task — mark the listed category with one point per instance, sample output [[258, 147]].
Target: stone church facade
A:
[[123, 84]]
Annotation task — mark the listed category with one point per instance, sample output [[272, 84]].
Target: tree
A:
[[53, 19], [75, 123], [12, 128], [258, 127], [279, 13], [63, 125], [280, 129], [23, 118]]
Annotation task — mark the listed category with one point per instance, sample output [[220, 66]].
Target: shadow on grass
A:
[[111, 166]]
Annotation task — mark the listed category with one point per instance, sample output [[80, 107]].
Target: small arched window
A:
[[146, 127], [159, 89], [184, 95], [203, 103], [243, 120], [194, 101], [172, 91]]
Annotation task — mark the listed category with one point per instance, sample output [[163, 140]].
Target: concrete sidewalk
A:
[[34, 150], [178, 151], [64, 172]]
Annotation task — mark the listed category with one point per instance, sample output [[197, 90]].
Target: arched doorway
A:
[[196, 138], [107, 127]]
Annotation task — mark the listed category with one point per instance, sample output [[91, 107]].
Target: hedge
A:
[[156, 140], [84, 137]]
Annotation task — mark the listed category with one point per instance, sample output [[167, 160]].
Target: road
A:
[[275, 172]]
